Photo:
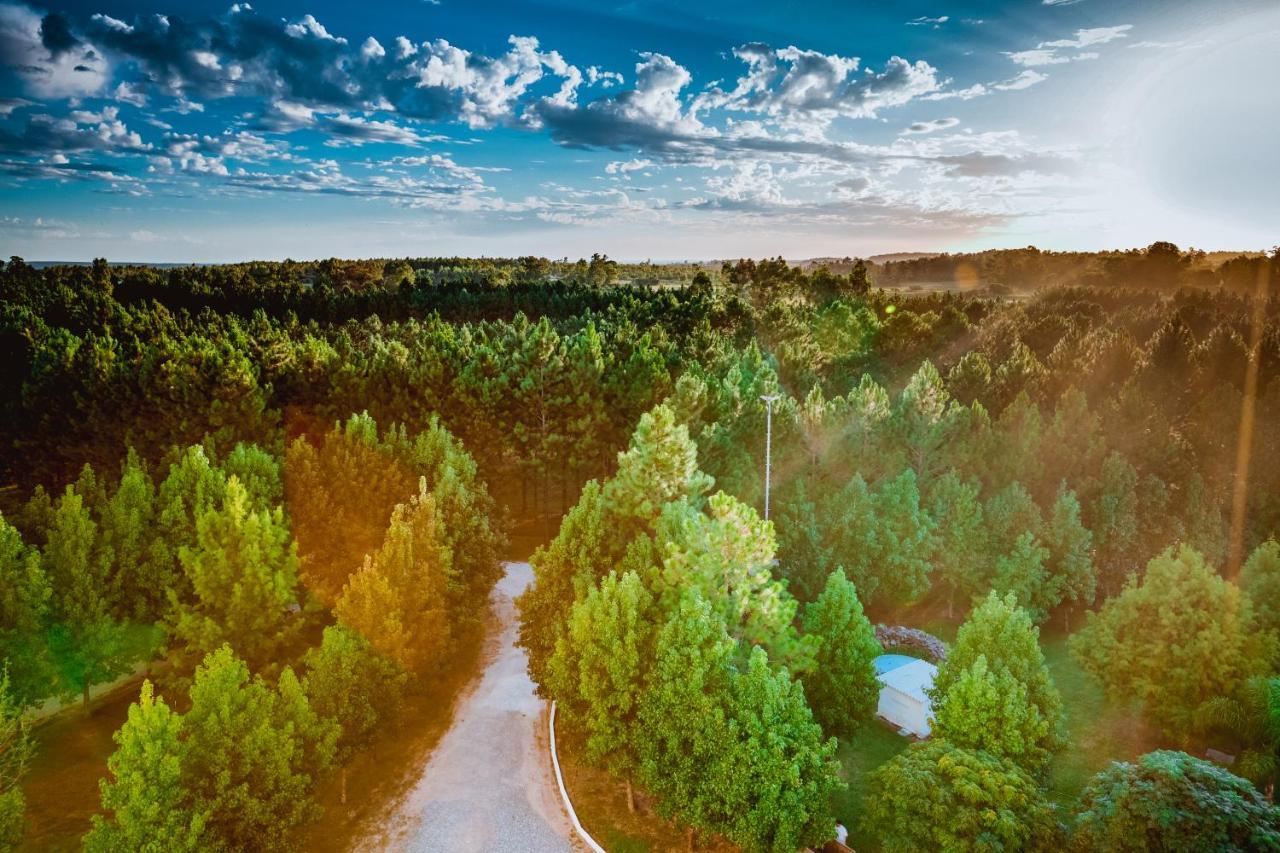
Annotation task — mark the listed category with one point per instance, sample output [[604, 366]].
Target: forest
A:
[[273, 499]]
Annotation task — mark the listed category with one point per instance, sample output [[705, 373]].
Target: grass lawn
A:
[[872, 746], [1099, 731]]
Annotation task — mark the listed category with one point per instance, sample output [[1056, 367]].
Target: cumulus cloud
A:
[[931, 126], [77, 131], [791, 83]]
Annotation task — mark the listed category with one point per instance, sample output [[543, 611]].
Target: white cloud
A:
[[622, 167], [1025, 80], [1051, 52]]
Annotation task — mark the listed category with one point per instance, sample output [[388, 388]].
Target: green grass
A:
[[616, 841], [872, 746], [1099, 730]]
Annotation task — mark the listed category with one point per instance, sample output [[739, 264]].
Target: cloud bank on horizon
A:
[[186, 132]]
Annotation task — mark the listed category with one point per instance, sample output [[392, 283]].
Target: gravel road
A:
[[488, 786]]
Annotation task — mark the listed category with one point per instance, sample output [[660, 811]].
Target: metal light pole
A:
[[768, 446]]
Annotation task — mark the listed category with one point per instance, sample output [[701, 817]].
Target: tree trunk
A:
[[85, 686], [344, 785], [688, 839], [951, 604], [631, 799]]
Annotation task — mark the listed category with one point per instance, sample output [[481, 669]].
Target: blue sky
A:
[[170, 131]]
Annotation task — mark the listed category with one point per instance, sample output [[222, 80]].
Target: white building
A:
[[903, 701]]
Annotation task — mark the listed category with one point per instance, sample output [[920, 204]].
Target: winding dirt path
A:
[[488, 786]]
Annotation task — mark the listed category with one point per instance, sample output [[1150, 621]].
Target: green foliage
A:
[[1070, 546], [563, 572], [937, 796], [992, 712], [660, 466], [1260, 580], [88, 643], [25, 594], [150, 809], [729, 751], [959, 539], [1023, 574], [1177, 639], [726, 553], [776, 776], [243, 571], [1003, 636], [801, 552], [883, 539], [143, 563], [597, 671], [682, 725], [16, 748], [841, 686], [251, 755], [1115, 522], [1252, 718], [397, 599], [351, 684], [1171, 801], [923, 418]]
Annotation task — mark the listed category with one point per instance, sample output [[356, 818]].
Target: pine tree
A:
[[1003, 634], [1260, 579], [775, 776], [1114, 522], [659, 466], [938, 796], [142, 561], [849, 520], [350, 683], [25, 596], [959, 538], [150, 810], [1170, 801], [563, 572], [682, 725], [1022, 572], [726, 553], [87, 642], [397, 600], [801, 554], [16, 748], [243, 571], [598, 669], [992, 712], [904, 541], [841, 687], [1070, 546], [922, 419], [1010, 513], [250, 755]]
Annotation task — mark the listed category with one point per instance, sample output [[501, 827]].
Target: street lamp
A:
[[768, 445]]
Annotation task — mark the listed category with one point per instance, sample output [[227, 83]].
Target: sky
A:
[[650, 129]]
